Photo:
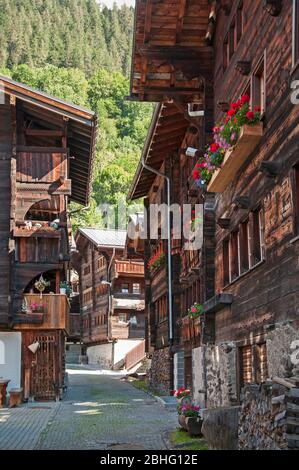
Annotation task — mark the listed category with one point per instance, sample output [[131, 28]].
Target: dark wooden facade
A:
[[100, 260], [246, 274], [38, 135]]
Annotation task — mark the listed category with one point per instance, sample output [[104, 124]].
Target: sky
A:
[[109, 3]]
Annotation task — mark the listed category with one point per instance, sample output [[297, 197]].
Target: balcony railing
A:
[[135, 356], [38, 165], [49, 312], [249, 139], [126, 267]]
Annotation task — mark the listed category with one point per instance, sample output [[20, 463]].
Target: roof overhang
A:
[[165, 136], [172, 57], [82, 130]]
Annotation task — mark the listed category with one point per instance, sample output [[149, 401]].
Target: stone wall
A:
[[279, 350], [159, 379], [198, 376], [269, 418], [221, 375]]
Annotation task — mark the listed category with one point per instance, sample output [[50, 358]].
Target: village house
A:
[[245, 276], [112, 298], [46, 156]]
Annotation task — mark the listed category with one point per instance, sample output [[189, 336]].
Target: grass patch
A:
[[140, 384], [186, 442]]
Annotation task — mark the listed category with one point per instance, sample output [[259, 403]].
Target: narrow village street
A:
[[99, 411]]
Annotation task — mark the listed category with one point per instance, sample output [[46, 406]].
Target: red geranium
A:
[[214, 147], [250, 115], [231, 113], [245, 99], [257, 109], [196, 174]]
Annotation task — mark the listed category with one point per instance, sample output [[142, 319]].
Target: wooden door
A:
[[43, 370]]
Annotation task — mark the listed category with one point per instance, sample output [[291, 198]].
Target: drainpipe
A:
[[110, 296], [170, 303]]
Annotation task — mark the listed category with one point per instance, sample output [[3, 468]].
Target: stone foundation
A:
[[220, 362], [160, 380]]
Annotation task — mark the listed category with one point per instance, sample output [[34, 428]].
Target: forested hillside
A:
[[79, 52], [65, 33]]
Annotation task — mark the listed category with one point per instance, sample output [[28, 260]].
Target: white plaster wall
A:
[[123, 346], [100, 354], [198, 376], [10, 358]]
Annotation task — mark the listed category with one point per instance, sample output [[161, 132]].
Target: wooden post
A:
[[57, 282]]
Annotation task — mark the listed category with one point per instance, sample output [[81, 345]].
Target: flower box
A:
[[250, 137]]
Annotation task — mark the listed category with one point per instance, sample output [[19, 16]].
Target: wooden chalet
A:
[[46, 156], [112, 295], [246, 274]]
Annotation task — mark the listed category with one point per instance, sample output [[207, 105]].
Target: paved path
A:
[[100, 411]]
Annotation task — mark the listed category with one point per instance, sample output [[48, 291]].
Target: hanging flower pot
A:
[[41, 285]]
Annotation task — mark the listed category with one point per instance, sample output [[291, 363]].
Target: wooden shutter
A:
[[246, 365], [261, 371]]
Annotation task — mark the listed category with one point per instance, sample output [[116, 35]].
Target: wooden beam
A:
[[148, 21], [44, 133], [180, 21]]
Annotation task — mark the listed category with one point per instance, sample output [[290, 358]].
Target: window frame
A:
[[295, 34], [258, 92], [295, 178]]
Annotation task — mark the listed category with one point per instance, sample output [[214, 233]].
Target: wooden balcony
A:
[[133, 268], [54, 315], [46, 168], [36, 232], [249, 139]]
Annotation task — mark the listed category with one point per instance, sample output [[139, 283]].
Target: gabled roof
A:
[[104, 238], [82, 129], [165, 136]]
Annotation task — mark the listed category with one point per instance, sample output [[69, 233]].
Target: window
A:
[[125, 288], [257, 237], [100, 263], [233, 36], [161, 309], [136, 288], [244, 246], [253, 364], [295, 32], [87, 270], [234, 256], [225, 257], [87, 297], [259, 87], [122, 317], [296, 198]]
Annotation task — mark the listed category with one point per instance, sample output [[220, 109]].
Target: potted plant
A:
[[41, 285], [65, 288], [192, 419], [156, 261], [181, 418], [226, 136], [37, 308], [195, 311]]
